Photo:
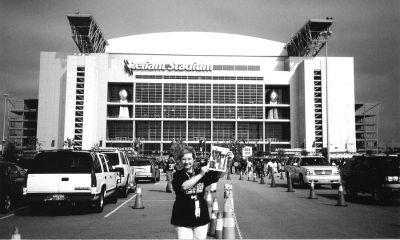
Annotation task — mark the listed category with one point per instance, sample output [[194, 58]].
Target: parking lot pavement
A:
[[261, 212]]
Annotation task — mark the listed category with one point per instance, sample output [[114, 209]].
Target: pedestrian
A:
[[169, 169], [190, 211]]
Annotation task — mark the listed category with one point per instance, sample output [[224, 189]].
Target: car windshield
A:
[[314, 162], [62, 162], [113, 158], [141, 163]]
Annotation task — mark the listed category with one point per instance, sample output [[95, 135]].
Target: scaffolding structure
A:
[[310, 39], [86, 33]]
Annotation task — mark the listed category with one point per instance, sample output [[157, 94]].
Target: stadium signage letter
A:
[[129, 67]]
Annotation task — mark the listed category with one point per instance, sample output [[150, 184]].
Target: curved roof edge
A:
[[196, 43]]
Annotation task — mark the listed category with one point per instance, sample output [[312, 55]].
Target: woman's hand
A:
[[204, 170]]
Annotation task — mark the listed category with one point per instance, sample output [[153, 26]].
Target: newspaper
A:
[[218, 159]]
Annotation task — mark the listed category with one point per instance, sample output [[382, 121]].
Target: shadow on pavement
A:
[[57, 210], [366, 200]]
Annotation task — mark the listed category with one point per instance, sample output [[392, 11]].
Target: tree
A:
[[10, 153]]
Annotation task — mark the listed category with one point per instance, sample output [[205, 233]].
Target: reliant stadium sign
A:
[[130, 67]]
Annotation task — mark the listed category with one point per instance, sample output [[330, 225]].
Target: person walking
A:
[[169, 170], [190, 211]]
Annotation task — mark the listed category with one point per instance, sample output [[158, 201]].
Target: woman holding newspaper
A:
[[190, 212]]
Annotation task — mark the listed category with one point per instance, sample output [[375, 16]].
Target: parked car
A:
[[120, 162], [145, 169], [11, 183], [377, 175], [66, 176], [307, 169]]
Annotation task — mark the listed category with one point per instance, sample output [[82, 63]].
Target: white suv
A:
[[120, 162], [67, 176], [307, 169]]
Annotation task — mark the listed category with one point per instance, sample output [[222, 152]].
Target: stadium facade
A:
[[193, 85]]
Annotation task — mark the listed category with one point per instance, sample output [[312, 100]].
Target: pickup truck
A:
[[68, 176]]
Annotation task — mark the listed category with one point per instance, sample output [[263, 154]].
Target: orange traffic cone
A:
[[228, 229], [16, 235], [341, 202], [169, 187], [312, 191], [138, 200], [213, 224], [289, 183], [219, 226], [273, 181], [254, 177]]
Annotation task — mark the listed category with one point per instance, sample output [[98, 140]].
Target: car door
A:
[[108, 174]]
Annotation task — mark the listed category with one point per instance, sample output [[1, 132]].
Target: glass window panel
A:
[[174, 130], [174, 93], [119, 130], [149, 130], [148, 92], [199, 130]]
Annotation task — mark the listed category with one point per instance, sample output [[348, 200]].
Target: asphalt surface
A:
[[262, 212]]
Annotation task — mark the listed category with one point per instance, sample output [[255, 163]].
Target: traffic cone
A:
[[219, 226], [341, 202], [254, 177], [312, 191], [289, 183], [273, 181], [16, 235], [138, 200], [262, 179], [169, 187], [209, 202], [228, 229], [213, 223]]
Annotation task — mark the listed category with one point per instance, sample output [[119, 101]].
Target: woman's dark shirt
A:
[[183, 212]]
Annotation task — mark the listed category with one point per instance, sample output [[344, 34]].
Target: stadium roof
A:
[[196, 43]]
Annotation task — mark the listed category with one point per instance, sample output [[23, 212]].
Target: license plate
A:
[[139, 170], [58, 197]]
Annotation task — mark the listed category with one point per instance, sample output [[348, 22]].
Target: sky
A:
[[367, 30]]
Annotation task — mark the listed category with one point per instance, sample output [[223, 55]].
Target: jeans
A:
[[199, 232]]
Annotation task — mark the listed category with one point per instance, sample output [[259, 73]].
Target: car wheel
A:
[[377, 195], [99, 205], [6, 203], [125, 190], [114, 196]]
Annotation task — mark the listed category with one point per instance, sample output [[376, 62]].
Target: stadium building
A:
[[158, 87]]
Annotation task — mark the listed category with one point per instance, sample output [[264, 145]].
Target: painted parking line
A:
[[113, 211], [13, 212], [160, 200]]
